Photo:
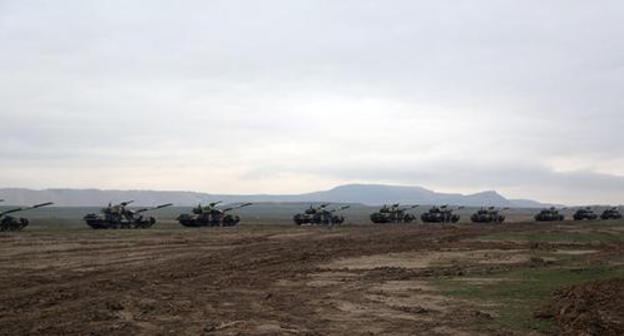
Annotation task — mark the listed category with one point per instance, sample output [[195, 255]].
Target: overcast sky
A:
[[279, 96]]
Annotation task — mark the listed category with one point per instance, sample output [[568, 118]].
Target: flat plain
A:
[[264, 279]]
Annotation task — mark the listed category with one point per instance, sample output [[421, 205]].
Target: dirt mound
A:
[[595, 308]]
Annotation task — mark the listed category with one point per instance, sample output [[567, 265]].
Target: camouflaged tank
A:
[[442, 214], [488, 215], [611, 213], [393, 214], [211, 215], [320, 215], [120, 217], [549, 215], [584, 214], [10, 223]]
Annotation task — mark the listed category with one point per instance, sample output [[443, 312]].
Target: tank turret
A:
[[10, 223]]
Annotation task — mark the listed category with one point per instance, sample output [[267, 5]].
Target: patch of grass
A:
[[519, 293], [563, 236]]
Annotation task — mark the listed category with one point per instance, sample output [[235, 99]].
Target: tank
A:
[[120, 217], [320, 215], [211, 215], [549, 215], [393, 214], [488, 215], [585, 214], [611, 213], [442, 214], [10, 223]]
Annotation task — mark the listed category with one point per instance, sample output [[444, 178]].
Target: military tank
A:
[[611, 213], [488, 215], [10, 223], [320, 215], [393, 214], [549, 215], [585, 214], [118, 216], [211, 215], [441, 214]]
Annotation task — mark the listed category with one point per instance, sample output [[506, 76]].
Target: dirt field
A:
[[276, 280]]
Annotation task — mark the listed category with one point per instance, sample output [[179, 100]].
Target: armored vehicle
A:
[[320, 215], [393, 214], [442, 214], [611, 213], [585, 214], [120, 217], [10, 223], [549, 215], [488, 215], [211, 215]]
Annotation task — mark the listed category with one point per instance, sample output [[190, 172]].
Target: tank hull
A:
[[439, 218], [386, 218], [195, 221], [317, 219], [476, 218], [13, 224], [100, 223]]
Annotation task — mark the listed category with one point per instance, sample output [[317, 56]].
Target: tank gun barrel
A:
[[237, 207], [26, 208], [340, 209], [154, 208], [410, 207]]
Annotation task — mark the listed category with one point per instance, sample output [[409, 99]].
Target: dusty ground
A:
[[371, 280]]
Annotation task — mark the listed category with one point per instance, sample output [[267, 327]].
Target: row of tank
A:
[[119, 216], [395, 213]]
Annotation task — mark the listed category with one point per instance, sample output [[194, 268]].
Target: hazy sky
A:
[[524, 97]]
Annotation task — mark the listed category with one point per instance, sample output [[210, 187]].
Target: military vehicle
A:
[[585, 214], [442, 214], [393, 214], [549, 215], [211, 215], [320, 215], [10, 223], [120, 217], [611, 213], [488, 215]]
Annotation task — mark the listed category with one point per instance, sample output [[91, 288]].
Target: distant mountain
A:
[[369, 194]]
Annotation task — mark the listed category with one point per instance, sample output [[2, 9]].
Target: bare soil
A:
[[372, 280]]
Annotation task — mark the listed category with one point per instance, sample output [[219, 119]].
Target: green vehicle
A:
[[393, 214], [488, 215], [549, 215], [611, 213], [585, 214], [10, 223], [320, 215], [120, 217], [211, 215], [442, 214]]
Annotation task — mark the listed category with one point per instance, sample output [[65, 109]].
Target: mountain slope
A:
[[370, 194]]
